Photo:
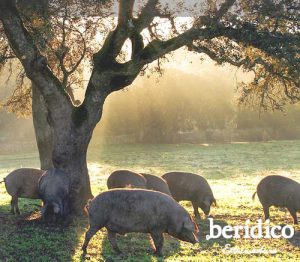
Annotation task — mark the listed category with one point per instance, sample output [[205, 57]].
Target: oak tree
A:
[[54, 39]]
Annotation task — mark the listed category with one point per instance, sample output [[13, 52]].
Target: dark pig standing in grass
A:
[[129, 179], [136, 210], [23, 183], [191, 187], [156, 183], [54, 188], [126, 178], [279, 191]]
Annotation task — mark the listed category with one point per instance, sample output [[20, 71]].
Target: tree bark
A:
[[63, 143], [70, 144], [43, 130]]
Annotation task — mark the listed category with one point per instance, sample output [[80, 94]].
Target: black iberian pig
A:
[[54, 189], [279, 191], [137, 210], [125, 178], [191, 187]]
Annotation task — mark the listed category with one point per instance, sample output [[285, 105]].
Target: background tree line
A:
[[177, 108]]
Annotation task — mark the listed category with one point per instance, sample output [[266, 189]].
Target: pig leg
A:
[[196, 212], [266, 212], [14, 205], [294, 215], [89, 234], [158, 240], [113, 241]]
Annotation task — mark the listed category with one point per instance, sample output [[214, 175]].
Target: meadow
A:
[[233, 171]]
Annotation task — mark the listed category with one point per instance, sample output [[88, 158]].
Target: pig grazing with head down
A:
[[23, 183], [125, 178], [136, 210], [279, 191], [192, 187], [54, 189]]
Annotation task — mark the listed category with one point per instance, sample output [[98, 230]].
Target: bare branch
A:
[[148, 13], [224, 8]]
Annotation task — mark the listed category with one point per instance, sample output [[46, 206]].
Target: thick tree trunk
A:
[[80, 181], [43, 131], [69, 154]]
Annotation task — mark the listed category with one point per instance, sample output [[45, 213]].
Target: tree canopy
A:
[[63, 36]]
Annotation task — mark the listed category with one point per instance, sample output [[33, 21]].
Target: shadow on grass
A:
[[25, 205], [295, 240], [138, 247], [28, 238], [204, 229]]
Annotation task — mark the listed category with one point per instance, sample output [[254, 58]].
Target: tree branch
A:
[[214, 56], [148, 13], [224, 8], [270, 43], [34, 63], [158, 48], [125, 12], [109, 76], [116, 39]]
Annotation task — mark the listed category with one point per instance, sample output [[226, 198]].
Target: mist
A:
[[194, 101]]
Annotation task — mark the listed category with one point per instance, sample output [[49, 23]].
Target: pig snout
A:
[[206, 211], [188, 236], [53, 210], [196, 240], [188, 230], [205, 206]]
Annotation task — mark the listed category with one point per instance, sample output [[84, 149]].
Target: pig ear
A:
[[215, 202], [188, 224], [206, 202]]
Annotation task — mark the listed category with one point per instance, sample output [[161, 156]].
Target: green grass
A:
[[233, 171]]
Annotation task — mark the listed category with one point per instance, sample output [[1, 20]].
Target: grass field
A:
[[233, 171]]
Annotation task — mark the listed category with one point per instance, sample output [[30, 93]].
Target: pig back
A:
[[125, 178], [23, 182], [54, 184], [186, 186], [133, 210], [279, 191]]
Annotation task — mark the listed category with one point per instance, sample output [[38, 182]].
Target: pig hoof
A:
[[83, 257]]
